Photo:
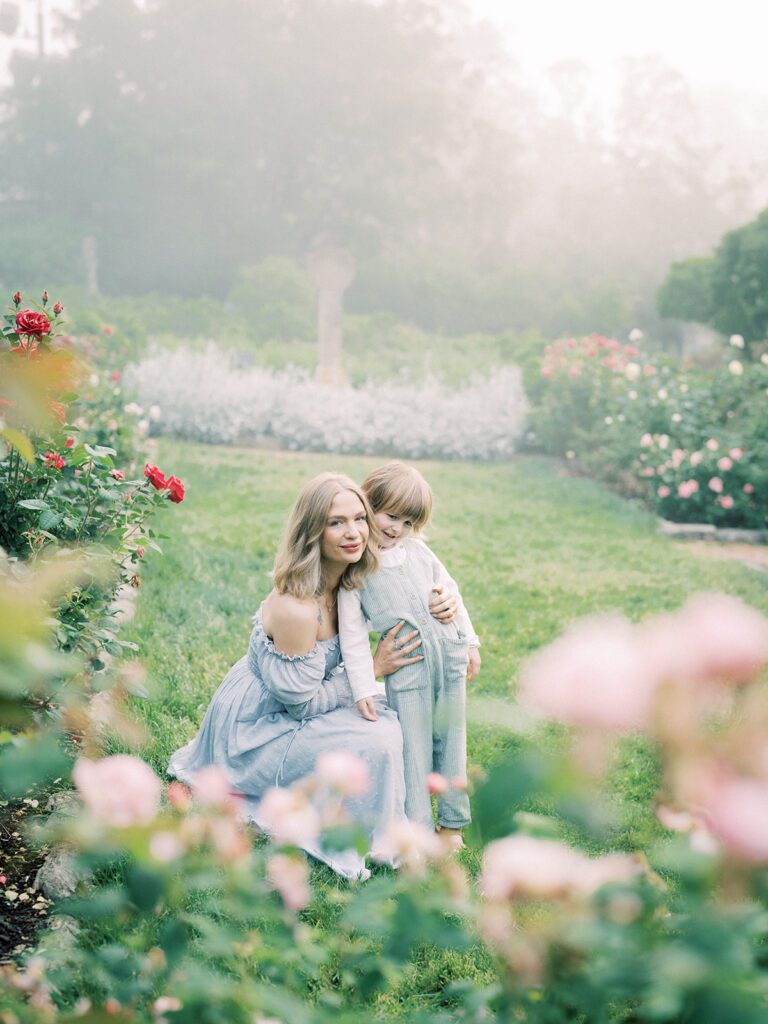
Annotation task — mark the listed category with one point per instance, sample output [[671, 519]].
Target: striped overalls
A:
[[429, 696]]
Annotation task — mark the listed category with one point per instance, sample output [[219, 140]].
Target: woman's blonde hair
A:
[[298, 566], [401, 491]]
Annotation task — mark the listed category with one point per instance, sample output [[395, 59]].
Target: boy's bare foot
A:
[[451, 838]]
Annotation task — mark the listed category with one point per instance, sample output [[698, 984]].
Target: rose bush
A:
[[215, 926], [205, 397], [691, 443]]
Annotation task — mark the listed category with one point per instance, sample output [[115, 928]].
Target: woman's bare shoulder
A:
[[291, 622]]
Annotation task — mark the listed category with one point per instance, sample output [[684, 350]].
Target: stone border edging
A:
[[705, 531]]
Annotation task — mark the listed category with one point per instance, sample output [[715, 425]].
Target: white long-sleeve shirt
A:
[[353, 627]]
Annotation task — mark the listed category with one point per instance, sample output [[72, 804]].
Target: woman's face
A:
[[345, 536]]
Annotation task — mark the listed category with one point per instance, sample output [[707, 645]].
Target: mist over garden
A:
[[246, 242]]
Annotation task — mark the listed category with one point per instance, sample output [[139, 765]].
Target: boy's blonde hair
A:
[[401, 491], [298, 566]]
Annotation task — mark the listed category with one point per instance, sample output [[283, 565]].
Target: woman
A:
[[288, 699]]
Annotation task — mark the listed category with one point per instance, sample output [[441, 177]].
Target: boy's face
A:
[[393, 529]]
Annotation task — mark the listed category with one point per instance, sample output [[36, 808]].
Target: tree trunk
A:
[[332, 269]]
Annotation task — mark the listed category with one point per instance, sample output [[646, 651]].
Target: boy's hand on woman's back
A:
[[473, 663]]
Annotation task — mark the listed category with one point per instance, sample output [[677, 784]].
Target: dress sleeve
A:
[[462, 621], [298, 682], [355, 648]]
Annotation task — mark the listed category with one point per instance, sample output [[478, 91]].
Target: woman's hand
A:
[[445, 604], [394, 651]]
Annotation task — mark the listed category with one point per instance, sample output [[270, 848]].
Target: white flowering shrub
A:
[[204, 396]]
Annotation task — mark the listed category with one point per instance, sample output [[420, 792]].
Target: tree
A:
[[728, 290], [189, 142], [686, 293]]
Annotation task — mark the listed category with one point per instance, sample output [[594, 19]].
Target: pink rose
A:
[[716, 485], [663, 491], [749, 488], [521, 866], [118, 474], [734, 808], [696, 458], [289, 876], [409, 845], [212, 788], [687, 488], [736, 453], [344, 772], [646, 441], [593, 675], [436, 783], [288, 816], [179, 796], [165, 846], [712, 444], [713, 636], [724, 464], [121, 791], [725, 501]]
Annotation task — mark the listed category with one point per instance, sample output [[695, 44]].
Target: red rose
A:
[[116, 375], [69, 442], [155, 477], [32, 323], [118, 474], [176, 487]]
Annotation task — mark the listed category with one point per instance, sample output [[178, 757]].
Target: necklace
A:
[[328, 602]]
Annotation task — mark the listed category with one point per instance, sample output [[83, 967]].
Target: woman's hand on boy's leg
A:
[[395, 651], [445, 604], [367, 708], [473, 663]]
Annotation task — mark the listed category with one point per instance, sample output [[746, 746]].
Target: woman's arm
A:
[[293, 669]]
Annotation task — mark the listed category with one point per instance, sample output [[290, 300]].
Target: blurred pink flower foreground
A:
[[605, 673], [521, 866], [121, 791]]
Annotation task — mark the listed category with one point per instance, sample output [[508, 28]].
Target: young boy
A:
[[429, 695]]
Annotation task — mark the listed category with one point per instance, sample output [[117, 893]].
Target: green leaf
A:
[[50, 519], [145, 888], [20, 442], [31, 762], [37, 504]]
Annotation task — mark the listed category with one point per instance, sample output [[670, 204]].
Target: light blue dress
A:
[[274, 714]]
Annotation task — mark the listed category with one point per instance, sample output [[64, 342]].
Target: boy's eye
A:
[[408, 523]]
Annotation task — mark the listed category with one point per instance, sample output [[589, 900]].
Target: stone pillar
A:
[[332, 269]]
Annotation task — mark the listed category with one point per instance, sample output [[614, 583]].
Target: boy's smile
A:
[[393, 529]]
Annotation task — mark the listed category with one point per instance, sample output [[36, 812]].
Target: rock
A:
[[687, 531], [58, 876]]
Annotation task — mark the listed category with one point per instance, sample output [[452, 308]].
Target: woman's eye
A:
[[362, 519]]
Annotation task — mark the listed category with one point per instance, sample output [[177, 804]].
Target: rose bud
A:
[[58, 308], [16, 298], [45, 298]]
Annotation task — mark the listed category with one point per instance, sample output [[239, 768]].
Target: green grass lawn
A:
[[531, 547]]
